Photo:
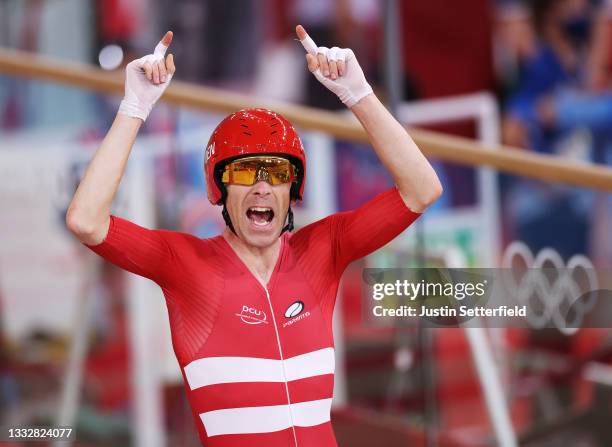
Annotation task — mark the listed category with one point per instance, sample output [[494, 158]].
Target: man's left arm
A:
[[338, 70], [414, 177]]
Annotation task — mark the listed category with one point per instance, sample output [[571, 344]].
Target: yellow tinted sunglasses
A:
[[250, 170]]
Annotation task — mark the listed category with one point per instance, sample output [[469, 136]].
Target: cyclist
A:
[[251, 309]]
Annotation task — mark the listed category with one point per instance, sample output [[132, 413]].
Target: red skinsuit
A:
[[258, 363]]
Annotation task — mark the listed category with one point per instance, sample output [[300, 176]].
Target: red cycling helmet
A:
[[251, 132]]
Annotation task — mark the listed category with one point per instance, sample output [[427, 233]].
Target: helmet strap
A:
[[228, 221], [289, 226], [226, 218]]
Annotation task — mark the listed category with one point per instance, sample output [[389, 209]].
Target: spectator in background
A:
[[561, 105], [564, 62]]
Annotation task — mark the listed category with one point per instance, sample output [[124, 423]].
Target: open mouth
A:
[[260, 216]]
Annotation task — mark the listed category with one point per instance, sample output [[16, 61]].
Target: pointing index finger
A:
[[162, 46], [306, 40]]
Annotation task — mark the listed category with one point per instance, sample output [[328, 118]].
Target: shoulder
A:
[[316, 238], [317, 228], [184, 243]]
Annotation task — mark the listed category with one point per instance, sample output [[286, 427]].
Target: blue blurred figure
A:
[[561, 105]]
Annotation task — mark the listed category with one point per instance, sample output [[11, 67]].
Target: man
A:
[[251, 310]]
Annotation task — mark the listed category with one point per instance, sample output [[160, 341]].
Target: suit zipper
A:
[[280, 350]]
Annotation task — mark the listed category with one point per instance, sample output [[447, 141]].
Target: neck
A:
[[259, 260]]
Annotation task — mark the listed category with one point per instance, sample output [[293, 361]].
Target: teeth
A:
[[266, 212]]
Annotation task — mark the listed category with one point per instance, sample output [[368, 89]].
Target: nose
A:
[[262, 188]]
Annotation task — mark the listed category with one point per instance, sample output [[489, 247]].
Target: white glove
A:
[[342, 74], [146, 79]]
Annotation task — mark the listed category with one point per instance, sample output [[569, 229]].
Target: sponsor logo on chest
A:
[[251, 315], [295, 312]]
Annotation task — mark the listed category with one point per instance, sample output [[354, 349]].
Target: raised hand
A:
[[336, 68], [146, 79]]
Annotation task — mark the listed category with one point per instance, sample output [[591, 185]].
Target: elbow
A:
[[428, 196], [75, 223], [81, 228], [434, 193]]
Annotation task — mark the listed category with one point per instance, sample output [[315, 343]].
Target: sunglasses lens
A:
[[280, 173], [248, 171]]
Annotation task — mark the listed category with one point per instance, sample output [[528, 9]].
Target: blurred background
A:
[[83, 343]]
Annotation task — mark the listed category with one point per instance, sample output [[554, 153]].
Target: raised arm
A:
[[339, 71], [88, 215]]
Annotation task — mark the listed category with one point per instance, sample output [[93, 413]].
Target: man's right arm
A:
[[88, 215]]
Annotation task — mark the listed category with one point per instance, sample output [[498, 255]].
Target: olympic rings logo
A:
[[555, 299]]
